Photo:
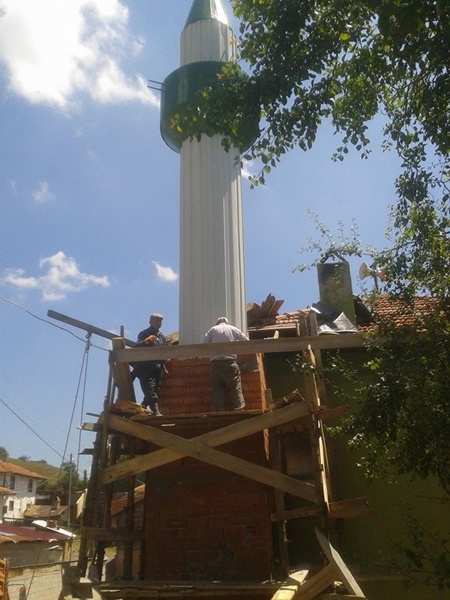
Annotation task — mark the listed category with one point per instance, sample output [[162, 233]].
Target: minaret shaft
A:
[[211, 257], [212, 282]]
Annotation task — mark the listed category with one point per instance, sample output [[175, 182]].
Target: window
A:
[[30, 485], [12, 482], [11, 505]]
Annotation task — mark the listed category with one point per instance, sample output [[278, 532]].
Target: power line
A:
[[30, 428], [49, 322]]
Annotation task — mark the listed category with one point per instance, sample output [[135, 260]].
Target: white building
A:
[[19, 491]]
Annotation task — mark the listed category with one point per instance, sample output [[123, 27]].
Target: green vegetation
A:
[[343, 64]]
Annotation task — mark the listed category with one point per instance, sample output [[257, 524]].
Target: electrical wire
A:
[[30, 428], [82, 369], [48, 322]]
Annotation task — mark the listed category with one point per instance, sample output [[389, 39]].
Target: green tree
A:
[[342, 63]]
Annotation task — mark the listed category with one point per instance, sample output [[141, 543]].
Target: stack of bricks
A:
[[186, 388], [204, 523]]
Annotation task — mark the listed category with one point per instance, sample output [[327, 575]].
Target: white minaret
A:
[[212, 280]]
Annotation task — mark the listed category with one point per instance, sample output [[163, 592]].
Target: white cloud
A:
[[246, 170], [42, 193], [54, 50], [165, 273], [62, 277], [13, 187]]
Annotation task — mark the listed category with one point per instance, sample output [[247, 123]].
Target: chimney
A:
[[335, 288]]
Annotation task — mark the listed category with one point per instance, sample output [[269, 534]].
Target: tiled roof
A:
[[119, 503], [293, 317], [386, 308], [6, 492], [43, 511], [382, 308], [6, 467]]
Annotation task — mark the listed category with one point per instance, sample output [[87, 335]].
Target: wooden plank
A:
[[122, 375], [324, 413], [114, 534], [87, 327], [344, 509], [343, 573], [154, 589], [213, 438], [276, 463], [335, 597], [214, 457], [297, 513], [281, 344], [289, 589], [317, 583]]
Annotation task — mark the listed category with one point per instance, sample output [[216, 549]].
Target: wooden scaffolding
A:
[[307, 410]]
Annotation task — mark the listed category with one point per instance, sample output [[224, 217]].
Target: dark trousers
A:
[[150, 381], [226, 375]]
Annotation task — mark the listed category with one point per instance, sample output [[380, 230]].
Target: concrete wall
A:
[[22, 499], [365, 543], [24, 553], [41, 583]]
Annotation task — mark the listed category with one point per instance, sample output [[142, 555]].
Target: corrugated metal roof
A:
[[12, 533]]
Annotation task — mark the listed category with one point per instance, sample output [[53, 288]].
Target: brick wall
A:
[[201, 522], [186, 389]]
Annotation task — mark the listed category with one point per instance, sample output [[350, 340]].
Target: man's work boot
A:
[[154, 410]]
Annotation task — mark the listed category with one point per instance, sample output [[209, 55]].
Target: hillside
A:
[[50, 472]]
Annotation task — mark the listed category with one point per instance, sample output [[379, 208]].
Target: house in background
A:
[[53, 512], [19, 490], [27, 546]]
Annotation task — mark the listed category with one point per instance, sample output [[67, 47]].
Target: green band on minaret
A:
[[202, 9]]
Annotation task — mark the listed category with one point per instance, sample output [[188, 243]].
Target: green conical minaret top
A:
[[206, 9]]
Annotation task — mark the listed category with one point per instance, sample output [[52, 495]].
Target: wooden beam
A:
[[87, 327], [343, 573], [214, 438], [122, 375], [159, 589], [290, 588], [297, 513], [294, 344], [311, 587], [336, 597], [112, 535], [324, 413], [204, 453], [344, 509]]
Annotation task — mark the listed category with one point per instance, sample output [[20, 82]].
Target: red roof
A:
[[119, 503], [383, 308], [12, 533], [6, 467]]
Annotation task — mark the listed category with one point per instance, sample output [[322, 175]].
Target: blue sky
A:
[[89, 197]]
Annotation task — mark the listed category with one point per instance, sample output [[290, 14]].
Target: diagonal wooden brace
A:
[[201, 448]]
